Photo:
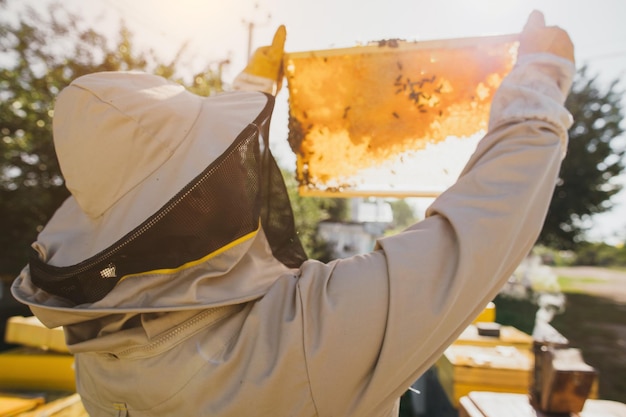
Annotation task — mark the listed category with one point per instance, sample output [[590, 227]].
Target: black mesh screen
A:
[[276, 211], [277, 218], [222, 204]]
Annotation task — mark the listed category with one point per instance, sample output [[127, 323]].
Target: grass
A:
[[575, 284], [595, 325]]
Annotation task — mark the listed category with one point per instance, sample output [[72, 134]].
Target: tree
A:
[[584, 187], [308, 212], [403, 214], [600, 254], [40, 55]]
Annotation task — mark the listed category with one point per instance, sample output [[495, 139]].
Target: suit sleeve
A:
[[382, 319]]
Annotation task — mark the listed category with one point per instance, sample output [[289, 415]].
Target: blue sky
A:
[[216, 30]]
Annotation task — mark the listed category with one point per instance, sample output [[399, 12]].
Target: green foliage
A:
[[554, 257], [593, 159], [308, 212], [591, 324], [519, 313], [585, 253], [403, 214], [600, 254], [403, 217], [40, 54]]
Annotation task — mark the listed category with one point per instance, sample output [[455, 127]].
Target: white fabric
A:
[[250, 82], [523, 97], [73, 235], [113, 129], [340, 339]]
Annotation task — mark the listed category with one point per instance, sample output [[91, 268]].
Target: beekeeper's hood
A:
[[176, 201]]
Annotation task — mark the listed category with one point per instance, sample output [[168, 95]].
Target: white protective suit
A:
[[251, 337]]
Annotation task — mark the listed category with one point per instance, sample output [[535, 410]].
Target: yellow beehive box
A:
[[11, 405], [492, 404], [69, 406], [33, 369], [29, 331], [392, 118], [466, 368], [509, 336], [488, 314]]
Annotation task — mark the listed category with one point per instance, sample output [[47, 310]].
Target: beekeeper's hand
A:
[[537, 37], [264, 72]]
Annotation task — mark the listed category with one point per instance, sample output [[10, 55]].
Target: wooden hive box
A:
[[33, 369], [67, 406], [567, 381], [466, 368], [492, 404], [509, 336], [36, 405], [12, 405], [29, 331]]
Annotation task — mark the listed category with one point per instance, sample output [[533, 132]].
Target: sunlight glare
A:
[[478, 15], [212, 30]]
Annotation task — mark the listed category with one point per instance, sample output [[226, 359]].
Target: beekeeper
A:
[[183, 290]]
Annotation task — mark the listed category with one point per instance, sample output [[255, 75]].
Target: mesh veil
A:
[[223, 203]]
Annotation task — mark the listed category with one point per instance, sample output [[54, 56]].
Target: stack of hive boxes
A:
[[501, 362], [38, 375]]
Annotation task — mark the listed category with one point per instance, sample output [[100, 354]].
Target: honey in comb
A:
[[354, 108]]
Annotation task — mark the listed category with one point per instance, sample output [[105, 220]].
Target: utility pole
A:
[[250, 26]]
